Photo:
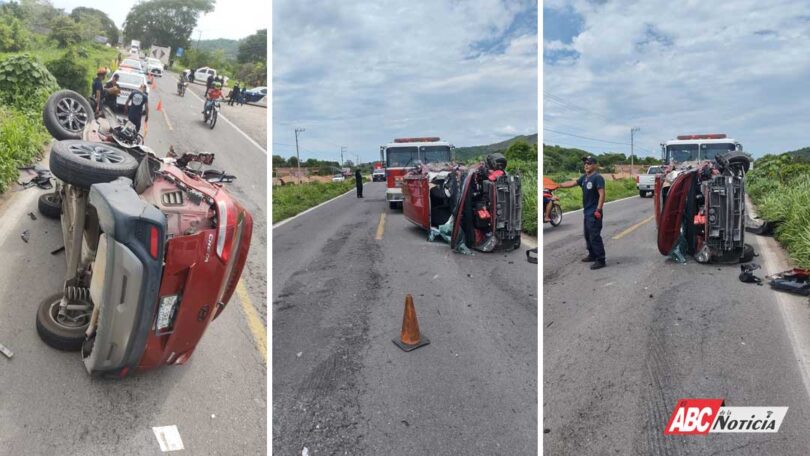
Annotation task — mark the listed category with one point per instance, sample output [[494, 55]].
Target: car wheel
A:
[[83, 163], [748, 254], [65, 115], [642, 193], [50, 205], [61, 333]]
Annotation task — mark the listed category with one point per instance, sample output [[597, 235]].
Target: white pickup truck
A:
[[646, 182]]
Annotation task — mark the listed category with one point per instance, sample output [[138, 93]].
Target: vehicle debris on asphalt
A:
[[796, 281], [531, 255], [42, 179], [25, 236], [33, 217], [6, 351], [747, 273]]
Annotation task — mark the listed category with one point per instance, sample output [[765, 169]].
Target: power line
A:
[[585, 137]]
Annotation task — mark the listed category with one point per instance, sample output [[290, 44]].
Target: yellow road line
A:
[[632, 228], [254, 322], [380, 227]]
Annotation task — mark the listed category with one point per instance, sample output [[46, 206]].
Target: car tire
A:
[[642, 193], [55, 334], [748, 254], [65, 115], [83, 163], [50, 205]]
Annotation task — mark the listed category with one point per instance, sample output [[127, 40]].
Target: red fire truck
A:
[[405, 153]]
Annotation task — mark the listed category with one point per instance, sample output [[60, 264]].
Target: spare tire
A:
[[83, 163], [65, 115], [50, 205]]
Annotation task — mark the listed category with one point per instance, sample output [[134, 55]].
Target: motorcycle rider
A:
[[547, 200], [214, 93]]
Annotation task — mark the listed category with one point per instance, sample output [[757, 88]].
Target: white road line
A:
[[222, 116], [313, 208]]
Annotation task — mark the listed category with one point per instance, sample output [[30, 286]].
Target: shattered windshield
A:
[[435, 154], [709, 151], [401, 156]]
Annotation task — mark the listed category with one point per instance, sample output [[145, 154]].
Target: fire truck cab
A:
[[405, 153]]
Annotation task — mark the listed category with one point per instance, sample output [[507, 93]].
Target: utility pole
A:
[[342, 149], [297, 156], [632, 154], [199, 36]]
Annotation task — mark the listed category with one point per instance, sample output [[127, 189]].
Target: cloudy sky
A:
[[360, 73], [232, 19], [676, 67]]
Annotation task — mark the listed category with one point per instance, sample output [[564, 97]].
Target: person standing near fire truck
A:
[[593, 198], [358, 181]]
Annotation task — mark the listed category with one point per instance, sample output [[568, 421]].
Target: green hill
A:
[[802, 154], [229, 47], [466, 153]]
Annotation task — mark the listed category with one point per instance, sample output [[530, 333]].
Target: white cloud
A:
[[683, 67], [360, 73]]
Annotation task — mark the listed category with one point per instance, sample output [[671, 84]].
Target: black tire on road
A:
[[50, 205], [748, 254], [642, 193], [83, 163], [65, 115], [55, 334]]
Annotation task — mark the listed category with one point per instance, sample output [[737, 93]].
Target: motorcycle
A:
[[211, 113], [181, 88], [555, 216]]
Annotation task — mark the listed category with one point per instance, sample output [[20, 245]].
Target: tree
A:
[[106, 26], [520, 150], [65, 31], [39, 14], [13, 35], [292, 162], [253, 49], [278, 161], [165, 22]]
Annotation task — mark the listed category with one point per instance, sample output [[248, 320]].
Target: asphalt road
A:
[[624, 343], [218, 400], [340, 386]]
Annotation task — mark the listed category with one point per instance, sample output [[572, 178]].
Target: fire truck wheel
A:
[[83, 163], [60, 333]]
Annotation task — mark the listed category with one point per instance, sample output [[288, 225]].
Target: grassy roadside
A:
[[289, 200], [571, 198], [780, 187]]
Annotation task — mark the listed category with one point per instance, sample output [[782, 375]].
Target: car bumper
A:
[[378, 178], [394, 195], [646, 187], [126, 277]]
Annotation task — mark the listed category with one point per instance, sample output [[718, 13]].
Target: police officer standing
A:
[[593, 198], [358, 181]]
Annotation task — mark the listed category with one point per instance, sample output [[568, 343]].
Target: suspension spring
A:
[[75, 294]]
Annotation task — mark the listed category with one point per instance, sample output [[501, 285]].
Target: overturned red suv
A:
[[478, 207], [700, 199], [154, 246]]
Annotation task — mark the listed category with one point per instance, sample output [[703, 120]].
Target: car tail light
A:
[[230, 282], [154, 241], [226, 224]]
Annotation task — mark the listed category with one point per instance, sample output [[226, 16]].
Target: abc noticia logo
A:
[[702, 416]]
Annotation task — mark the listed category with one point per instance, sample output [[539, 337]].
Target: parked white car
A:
[[338, 178], [154, 67], [129, 81]]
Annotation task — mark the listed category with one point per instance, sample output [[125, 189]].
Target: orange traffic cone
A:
[[409, 338], [159, 106]]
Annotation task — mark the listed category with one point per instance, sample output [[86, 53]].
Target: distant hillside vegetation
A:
[[229, 47], [467, 153], [802, 154]]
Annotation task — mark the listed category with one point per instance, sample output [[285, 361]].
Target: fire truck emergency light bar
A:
[[711, 136], [407, 140]]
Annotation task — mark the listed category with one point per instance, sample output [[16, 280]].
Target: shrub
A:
[[25, 84], [21, 141], [69, 73]]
